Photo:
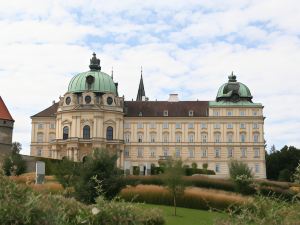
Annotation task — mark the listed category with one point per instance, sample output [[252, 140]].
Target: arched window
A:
[[65, 132], [86, 132], [109, 133]]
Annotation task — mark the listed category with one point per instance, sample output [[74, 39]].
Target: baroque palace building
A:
[[91, 115]]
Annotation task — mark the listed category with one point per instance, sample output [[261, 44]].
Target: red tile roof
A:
[[4, 113], [49, 112], [156, 108]]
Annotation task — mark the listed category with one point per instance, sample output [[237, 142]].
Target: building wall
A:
[[6, 131]]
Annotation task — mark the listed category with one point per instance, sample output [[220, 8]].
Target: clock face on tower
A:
[[68, 100], [109, 100]]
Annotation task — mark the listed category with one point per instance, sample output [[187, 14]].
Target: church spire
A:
[[141, 92]]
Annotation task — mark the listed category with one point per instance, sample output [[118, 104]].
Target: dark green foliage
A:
[[13, 163], [192, 171], [103, 165], [242, 176], [136, 170], [276, 161], [187, 170], [285, 175]]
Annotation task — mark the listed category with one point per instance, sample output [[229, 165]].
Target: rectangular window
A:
[[40, 126], [177, 152], [190, 125], [126, 152], [166, 151], [204, 153], [127, 138], [204, 138], [255, 138], [229, 113], [140, 138], [191, 153], [152, 152], [165, 138], [166, 113], [127, 125], [257, 169], [191, 113], [230, 152], [243, 137], [140, 153], [242, 126], [242, 113], [152, 125], [191, 138], [243, 152], [178, 125], [140, 125], [178, 138], [203, 125], [165, 125], [229, 126], [216, 113], [152, 138], [217, 168], [256, 153], [254, 113], [230, 138], [52, 125], [217, 126], [217, 153], [217, 138], [39, 152], [255, 126]]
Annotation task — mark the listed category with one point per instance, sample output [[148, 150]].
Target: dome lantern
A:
[[95, 63]]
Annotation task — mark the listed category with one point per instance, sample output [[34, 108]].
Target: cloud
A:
[[189, 47]]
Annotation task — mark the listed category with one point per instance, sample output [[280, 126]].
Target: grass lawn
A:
[[187, 216]]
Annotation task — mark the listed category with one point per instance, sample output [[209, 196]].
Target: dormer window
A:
[[191, 113], [166, 113]]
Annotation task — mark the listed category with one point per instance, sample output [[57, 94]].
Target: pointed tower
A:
[[141, 92]]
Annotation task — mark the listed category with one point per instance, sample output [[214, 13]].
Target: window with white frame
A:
[[152, 138], [217, 126], [191, 138], [243, 152], [229, 125], [255, 137], [256, 153], [203, 125], [191, 125], [191, 153], [217, 137], [242, 126], [217, 168], [165, 125], [255, 125], [216, 112], [177, 152], [178, 125], [242, 113], [165, 151], [178, 138], [229, 113], [52, 125], [230, 152], [126, 125], [229, 137], [39, 152], [152, 125], [203, 152], [152, 152], [166, 113], [40, 137], [127, 137], [140, 152], [126, 152], [40, 126], [217, 152], [243, 137], [165, 137], [140, 137], [191, 113], [140, 125], [204, 137], [257, 168]]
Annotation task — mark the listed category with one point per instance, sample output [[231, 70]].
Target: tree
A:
[[173, 179], [241, 175], [13, 163], [296, 175], [101, 164]]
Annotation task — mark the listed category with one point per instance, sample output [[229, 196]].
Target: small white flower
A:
[[95, 211]]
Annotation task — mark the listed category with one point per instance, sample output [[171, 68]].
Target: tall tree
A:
[[173, 179], [13, 163]]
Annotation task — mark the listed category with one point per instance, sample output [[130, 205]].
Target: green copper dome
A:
[[93, 80], [234, 91]]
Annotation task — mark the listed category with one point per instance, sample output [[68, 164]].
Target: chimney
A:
[[173, 98]]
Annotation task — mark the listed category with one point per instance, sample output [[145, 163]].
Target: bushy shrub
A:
[[285, 175], [13, 163], [196, 198], [192, 171]]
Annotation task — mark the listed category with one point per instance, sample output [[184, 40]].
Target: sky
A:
[[187, 47]]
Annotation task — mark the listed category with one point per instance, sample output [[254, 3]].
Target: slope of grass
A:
[[187, 216]]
